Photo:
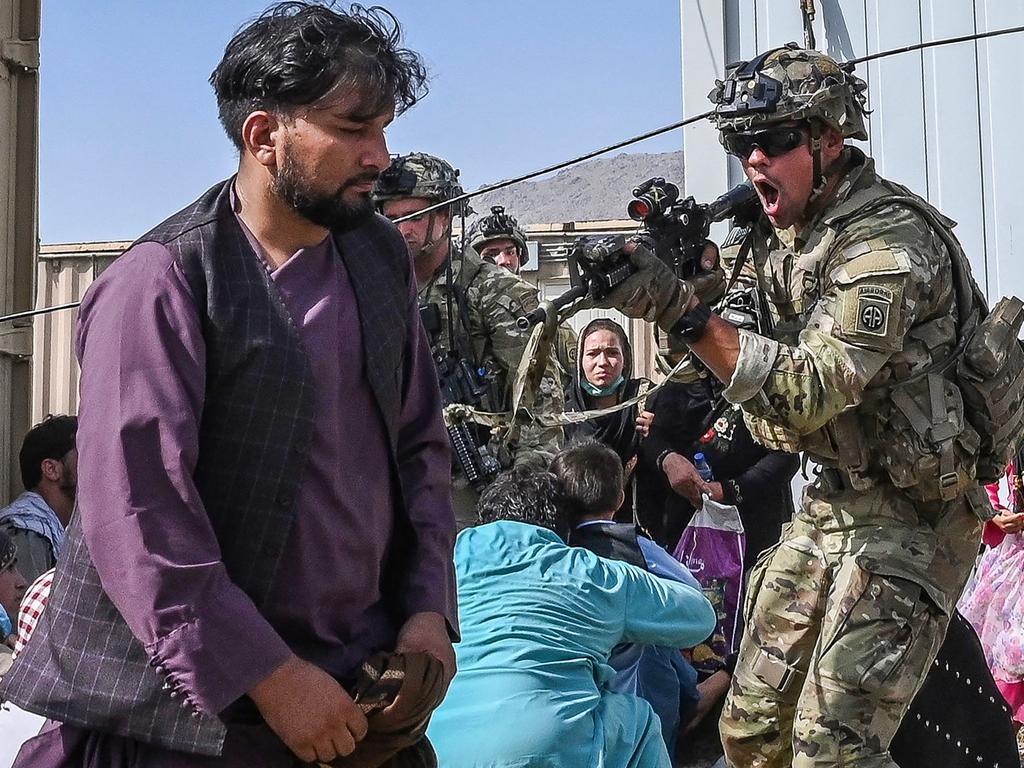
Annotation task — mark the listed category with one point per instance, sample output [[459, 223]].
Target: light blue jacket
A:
[[539, 620]]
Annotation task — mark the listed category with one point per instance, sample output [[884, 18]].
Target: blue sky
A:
[[128, 127]]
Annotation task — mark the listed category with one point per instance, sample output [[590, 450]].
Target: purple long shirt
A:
[[143, 376]]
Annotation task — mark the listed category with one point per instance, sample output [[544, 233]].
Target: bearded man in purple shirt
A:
[[264, 492]]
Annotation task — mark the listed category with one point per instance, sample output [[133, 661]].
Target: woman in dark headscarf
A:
[[604, 378]]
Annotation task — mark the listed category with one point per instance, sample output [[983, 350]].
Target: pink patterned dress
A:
[[994, 600]]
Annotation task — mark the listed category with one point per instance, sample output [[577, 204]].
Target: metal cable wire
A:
[[556, 166], [611, 148], [932, 44], [40, 311]]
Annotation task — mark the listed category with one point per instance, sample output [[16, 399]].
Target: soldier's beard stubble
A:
[[327, 210]]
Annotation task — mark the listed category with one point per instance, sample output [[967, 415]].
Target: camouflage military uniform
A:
[[486, 302], [845, 614], [863, 309], [494, 299], [564, 354], [499, 225]]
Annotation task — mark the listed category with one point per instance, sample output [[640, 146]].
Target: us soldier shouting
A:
[[483, 300], [846, 614]]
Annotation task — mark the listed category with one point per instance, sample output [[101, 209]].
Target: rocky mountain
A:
[[596, 189]]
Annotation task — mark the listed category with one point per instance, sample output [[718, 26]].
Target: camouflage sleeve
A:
[[565, 354], [502, 299], [889, 272]]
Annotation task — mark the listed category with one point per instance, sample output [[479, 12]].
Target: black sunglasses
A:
[[772, 141]]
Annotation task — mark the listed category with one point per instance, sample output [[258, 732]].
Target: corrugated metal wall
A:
[[64, 273], [944, 121], [19, 134]]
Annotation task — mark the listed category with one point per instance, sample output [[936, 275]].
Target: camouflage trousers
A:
[[843, 619]]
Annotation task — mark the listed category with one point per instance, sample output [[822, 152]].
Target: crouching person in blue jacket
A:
[[591, 478], [539, 622]]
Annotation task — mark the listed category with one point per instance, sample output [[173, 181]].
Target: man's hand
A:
[[309, 711], [1009, 522], [428, 633], [709, 284], [684, 478], [643, 422], [716, 492], [655, 294]]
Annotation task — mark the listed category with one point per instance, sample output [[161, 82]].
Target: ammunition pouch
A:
[[774, 437], [926, 445]]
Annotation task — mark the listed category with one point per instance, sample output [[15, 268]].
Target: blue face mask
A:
[[593, 391], [6, 628]]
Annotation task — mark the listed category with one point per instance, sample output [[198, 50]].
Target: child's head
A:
[[590, 474]]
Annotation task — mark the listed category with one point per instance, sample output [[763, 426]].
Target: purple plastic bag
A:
[[712, 547]]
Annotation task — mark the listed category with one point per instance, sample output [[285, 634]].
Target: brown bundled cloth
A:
[[397, 692]]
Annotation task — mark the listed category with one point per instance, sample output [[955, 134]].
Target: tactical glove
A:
[[652, 292], [709, 285]]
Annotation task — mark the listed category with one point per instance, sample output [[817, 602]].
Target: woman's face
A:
[[602, 358]]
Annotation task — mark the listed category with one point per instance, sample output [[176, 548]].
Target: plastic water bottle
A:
[[703, 468]]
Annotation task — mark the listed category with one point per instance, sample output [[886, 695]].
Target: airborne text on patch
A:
[[873, 305]]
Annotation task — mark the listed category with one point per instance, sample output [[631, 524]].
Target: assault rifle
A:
[[675, 231], [460, 383]]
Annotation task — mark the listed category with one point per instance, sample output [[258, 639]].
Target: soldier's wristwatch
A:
[[691, 325]]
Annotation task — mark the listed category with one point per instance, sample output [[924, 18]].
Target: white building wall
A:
[[944, 121]]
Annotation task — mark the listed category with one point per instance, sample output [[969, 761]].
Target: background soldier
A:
[[499, 240], [868, 293], [478, 304]]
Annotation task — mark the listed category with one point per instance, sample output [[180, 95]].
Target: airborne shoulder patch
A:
[[874, 306], [869, 291], [870, 311], [571, 353]]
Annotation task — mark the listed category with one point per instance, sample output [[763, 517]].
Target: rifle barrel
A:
[[526, 322]]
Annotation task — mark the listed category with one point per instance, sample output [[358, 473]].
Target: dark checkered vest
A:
[[83, 665]]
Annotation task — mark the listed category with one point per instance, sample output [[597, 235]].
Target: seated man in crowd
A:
[[539, 622], [590, 475], [12, 588], [36, 520]]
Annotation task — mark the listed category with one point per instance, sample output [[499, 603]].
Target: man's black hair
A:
[[52, 438], [297, 52], [523, 495], [590, 476]]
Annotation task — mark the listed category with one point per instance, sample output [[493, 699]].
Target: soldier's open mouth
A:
[[769, 195]]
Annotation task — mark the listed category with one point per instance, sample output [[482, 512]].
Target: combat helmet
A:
[[498, 225], [790, 83], [419, 175]]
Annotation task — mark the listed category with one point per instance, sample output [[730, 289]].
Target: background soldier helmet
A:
[[790, 83], [496, 226], [420, 175]]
